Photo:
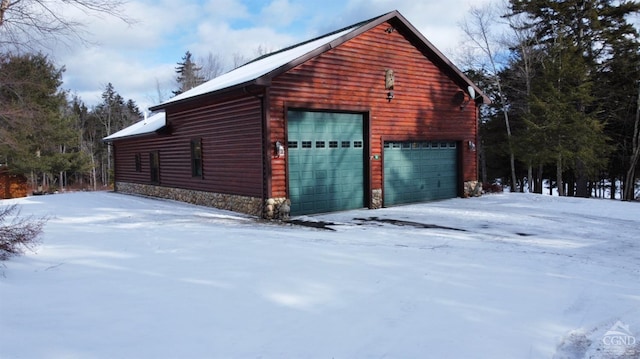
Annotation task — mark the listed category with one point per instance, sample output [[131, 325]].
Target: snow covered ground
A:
[[501, 276]]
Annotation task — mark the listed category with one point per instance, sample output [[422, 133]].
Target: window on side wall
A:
[[138, 161], [196, 157], [154, 165]]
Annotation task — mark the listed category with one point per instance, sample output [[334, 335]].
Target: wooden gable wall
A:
[[351, 77]]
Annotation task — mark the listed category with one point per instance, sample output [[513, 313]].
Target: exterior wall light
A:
[[279, 149], [471, 145]]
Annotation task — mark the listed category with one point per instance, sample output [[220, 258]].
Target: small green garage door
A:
[[419, 171], [325, 161]]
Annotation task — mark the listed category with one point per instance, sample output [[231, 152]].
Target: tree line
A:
[[564, 79], [54, 138], [50, 136]]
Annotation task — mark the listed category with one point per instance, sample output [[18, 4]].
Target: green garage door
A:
[[419, 171], [325, 161]]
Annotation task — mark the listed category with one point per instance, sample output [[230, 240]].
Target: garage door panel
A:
[[419, 171], [327, 156]]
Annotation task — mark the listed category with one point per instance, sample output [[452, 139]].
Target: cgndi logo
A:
[[619, 340]]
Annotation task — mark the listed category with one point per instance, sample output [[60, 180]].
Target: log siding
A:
[[351, 77], [231, 134]]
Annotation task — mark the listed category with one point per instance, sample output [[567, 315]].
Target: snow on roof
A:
[[260, 67], [148, 125]]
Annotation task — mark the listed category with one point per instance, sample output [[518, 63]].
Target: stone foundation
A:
[[272, 208], [277, 208], [249, 205], [472, 189], [376, 198]]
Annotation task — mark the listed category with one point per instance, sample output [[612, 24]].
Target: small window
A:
[[387, 145], [346, 144], [306, 144], [196, 158], [357, 144], [333, 144], [406, 145], [320, 144], [154, 165], [138, 161], [452, 144], [292, 144], [396, 145]]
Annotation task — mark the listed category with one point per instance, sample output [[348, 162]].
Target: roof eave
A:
[[127, 137], [255, 82]]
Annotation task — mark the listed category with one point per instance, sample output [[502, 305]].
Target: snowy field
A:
[[501, 276]]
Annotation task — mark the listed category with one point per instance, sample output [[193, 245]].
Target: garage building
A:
[[367, 116]]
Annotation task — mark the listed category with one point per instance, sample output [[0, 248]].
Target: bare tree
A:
[[478, 27], [30, 24], [239, 59], [262, 50], [210, 66]]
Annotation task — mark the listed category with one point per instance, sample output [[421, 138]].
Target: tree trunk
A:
[[530, 178], [612, 194], [93, 171], [559, 182], [581, 180], [630, 181], [511, 156], [571, 185], [539, 180]]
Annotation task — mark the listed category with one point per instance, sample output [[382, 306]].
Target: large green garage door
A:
[[419, 171], [325, 161]]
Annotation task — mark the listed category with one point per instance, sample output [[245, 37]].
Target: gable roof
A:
[[146, 126], [261, 70]]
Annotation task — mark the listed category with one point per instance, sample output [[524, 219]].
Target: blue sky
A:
[[140, 59]]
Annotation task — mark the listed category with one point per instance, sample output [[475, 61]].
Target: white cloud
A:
[[281, 13]]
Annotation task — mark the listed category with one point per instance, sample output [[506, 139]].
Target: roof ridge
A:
[[354, 26]]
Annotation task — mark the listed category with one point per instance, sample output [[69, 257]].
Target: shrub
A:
[[18, 234]]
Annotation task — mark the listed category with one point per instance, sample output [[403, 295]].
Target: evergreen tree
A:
[[35, 128], [577, 38], [188, 74]]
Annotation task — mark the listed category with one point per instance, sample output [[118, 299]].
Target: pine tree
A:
[[577, 37], [188, 74], [36, 133]]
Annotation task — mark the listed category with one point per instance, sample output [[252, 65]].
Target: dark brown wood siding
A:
[[351, 77], [12, 185], [231, 135]]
